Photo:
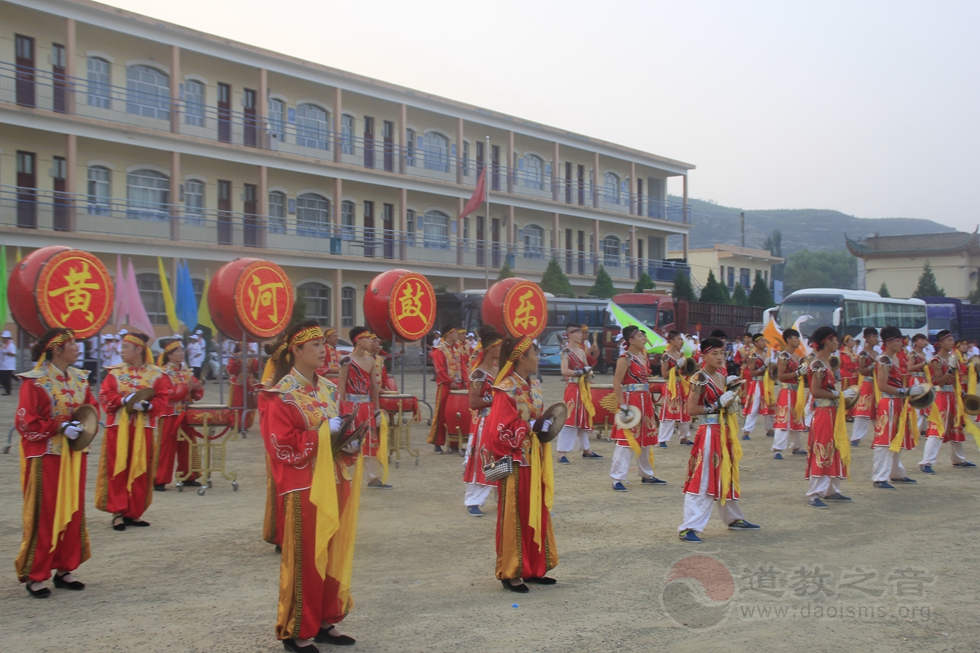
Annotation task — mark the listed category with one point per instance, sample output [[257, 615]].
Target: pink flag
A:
[[479, 195], [131, 310], [120, 288]]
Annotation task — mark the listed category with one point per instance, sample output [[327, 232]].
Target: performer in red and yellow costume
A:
[[673, 411], [358, 393], [126, 465], [526, 546], [52, 475], [830, 449], [331, 362], [791, 404], [449, 376], [485, 361], [246, 413], [274, 521], [848, 363], [320, 495], [864, 410], [576, 368], [631, 385], [759, 401], [713, 468], [186, 390], [896, 425], [946, 420]]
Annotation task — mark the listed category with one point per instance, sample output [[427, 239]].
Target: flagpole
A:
[[486, 225]]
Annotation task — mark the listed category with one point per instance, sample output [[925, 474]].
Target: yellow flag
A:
[[203, 312], [168, 299]]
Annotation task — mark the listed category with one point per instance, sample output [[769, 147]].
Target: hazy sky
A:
[[870, 108]]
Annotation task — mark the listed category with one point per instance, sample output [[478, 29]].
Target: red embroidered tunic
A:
[[578, 416], [824, 458], [636, 392]]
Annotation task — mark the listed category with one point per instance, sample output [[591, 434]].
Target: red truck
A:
[[662, 313]]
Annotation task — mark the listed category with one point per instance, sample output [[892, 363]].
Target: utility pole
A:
[[742, 221]]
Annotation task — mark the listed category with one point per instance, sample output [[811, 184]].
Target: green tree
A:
[[683, 288], [806, 269], [927, 284], [760, 295], [974, 297], [603, 288], [644, 283], [715, 292], [883, 291], [505, 272], [554, 280], [739, 297], [774, 244]]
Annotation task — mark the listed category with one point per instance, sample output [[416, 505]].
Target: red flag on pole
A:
[[478, 197]]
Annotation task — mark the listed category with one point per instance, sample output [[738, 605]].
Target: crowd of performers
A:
[[314, 485]]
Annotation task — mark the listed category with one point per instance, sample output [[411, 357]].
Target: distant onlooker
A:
[[8, 361]]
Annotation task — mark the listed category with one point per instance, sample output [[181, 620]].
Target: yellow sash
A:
[[585, 396], [729, 462], [672, 383], [323, 495], [534, 517], [841, 442], [66, 502], [896, 444], [934, 416], [137, 466], [341, 564], [383, 445], [800, 408]]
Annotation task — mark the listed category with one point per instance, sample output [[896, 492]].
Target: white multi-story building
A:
[[122, 134]]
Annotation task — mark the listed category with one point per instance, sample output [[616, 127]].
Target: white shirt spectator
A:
[[195, 353], [8, 356]]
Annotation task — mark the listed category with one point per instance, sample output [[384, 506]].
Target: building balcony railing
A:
[[296, 134], [45, 211]]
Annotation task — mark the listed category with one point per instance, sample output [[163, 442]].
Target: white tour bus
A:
[[849, 312]]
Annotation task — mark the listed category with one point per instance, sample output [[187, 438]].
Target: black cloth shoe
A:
[[324, 637], [120, 525], [543, 580], [520, 589], [159, 488], [291, 645], [135, 522], [45, 592], [61, 583], [191, 484]]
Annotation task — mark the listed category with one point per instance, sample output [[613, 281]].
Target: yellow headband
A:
[[329, 332], [480, 353], [519, 350], [364, 334], [133, 340], [449, 332], [59, 340], [307, 334], [162, 358]]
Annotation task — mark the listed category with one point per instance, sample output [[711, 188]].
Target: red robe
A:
[[823, 458], [175, 420], [578, 416], [112, 493], [696, 464], [889, 412], [865, 406], [358, 399], [473, 470], [448, 377], [245, 420], [947, 406], [636, 392], [674, 406], [786, 417], [48, 398]]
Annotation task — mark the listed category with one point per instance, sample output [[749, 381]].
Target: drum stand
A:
[[207, 457], [401, 431]]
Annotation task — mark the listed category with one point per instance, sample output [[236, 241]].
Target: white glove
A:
[[835, 392], [731, 378], [351, 447], [624, 407], [726, 399], [128, 397], [141, 406], [335, 423], [72, 430], [545, 425], [587, 369]]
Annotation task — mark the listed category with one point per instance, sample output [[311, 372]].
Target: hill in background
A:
[[812, 229]]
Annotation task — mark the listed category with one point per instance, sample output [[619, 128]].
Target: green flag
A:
[[622, 318]]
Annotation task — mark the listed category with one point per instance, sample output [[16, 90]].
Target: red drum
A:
[[408, 404], [400, 302], [516, 307], [59, 286], [216, 417], [457, 416], [604, 402], [657, 389], [250, 297]]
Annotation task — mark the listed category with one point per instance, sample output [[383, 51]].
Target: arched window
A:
[[277, 212], [311, 127], [194, 201], [348, 218], [99, 191], [99, 83], [533, 241], [148, 195], [612, 188], [148, 92], [610, 251], [277, 118], [435, 149], [198, 290], [435, 230], [534, 171], [347, 133], [316, 301], [312, 215], [348, 306], [194, 103], [151, 293]]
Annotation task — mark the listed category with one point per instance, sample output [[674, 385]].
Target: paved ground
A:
[[893, 571]]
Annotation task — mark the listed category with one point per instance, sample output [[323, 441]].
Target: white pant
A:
[[622, 459], [823, 486], [931, 451], [787, 439], [373, 468], [476, 494], [571, 438], [697, 507], [752, 414], [862, 426], [886, 464], [666, 430]]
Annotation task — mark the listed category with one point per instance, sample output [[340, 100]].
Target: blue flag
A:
[[186, 301]]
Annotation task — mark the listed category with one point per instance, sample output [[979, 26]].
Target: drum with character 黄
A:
[[457, 417]]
